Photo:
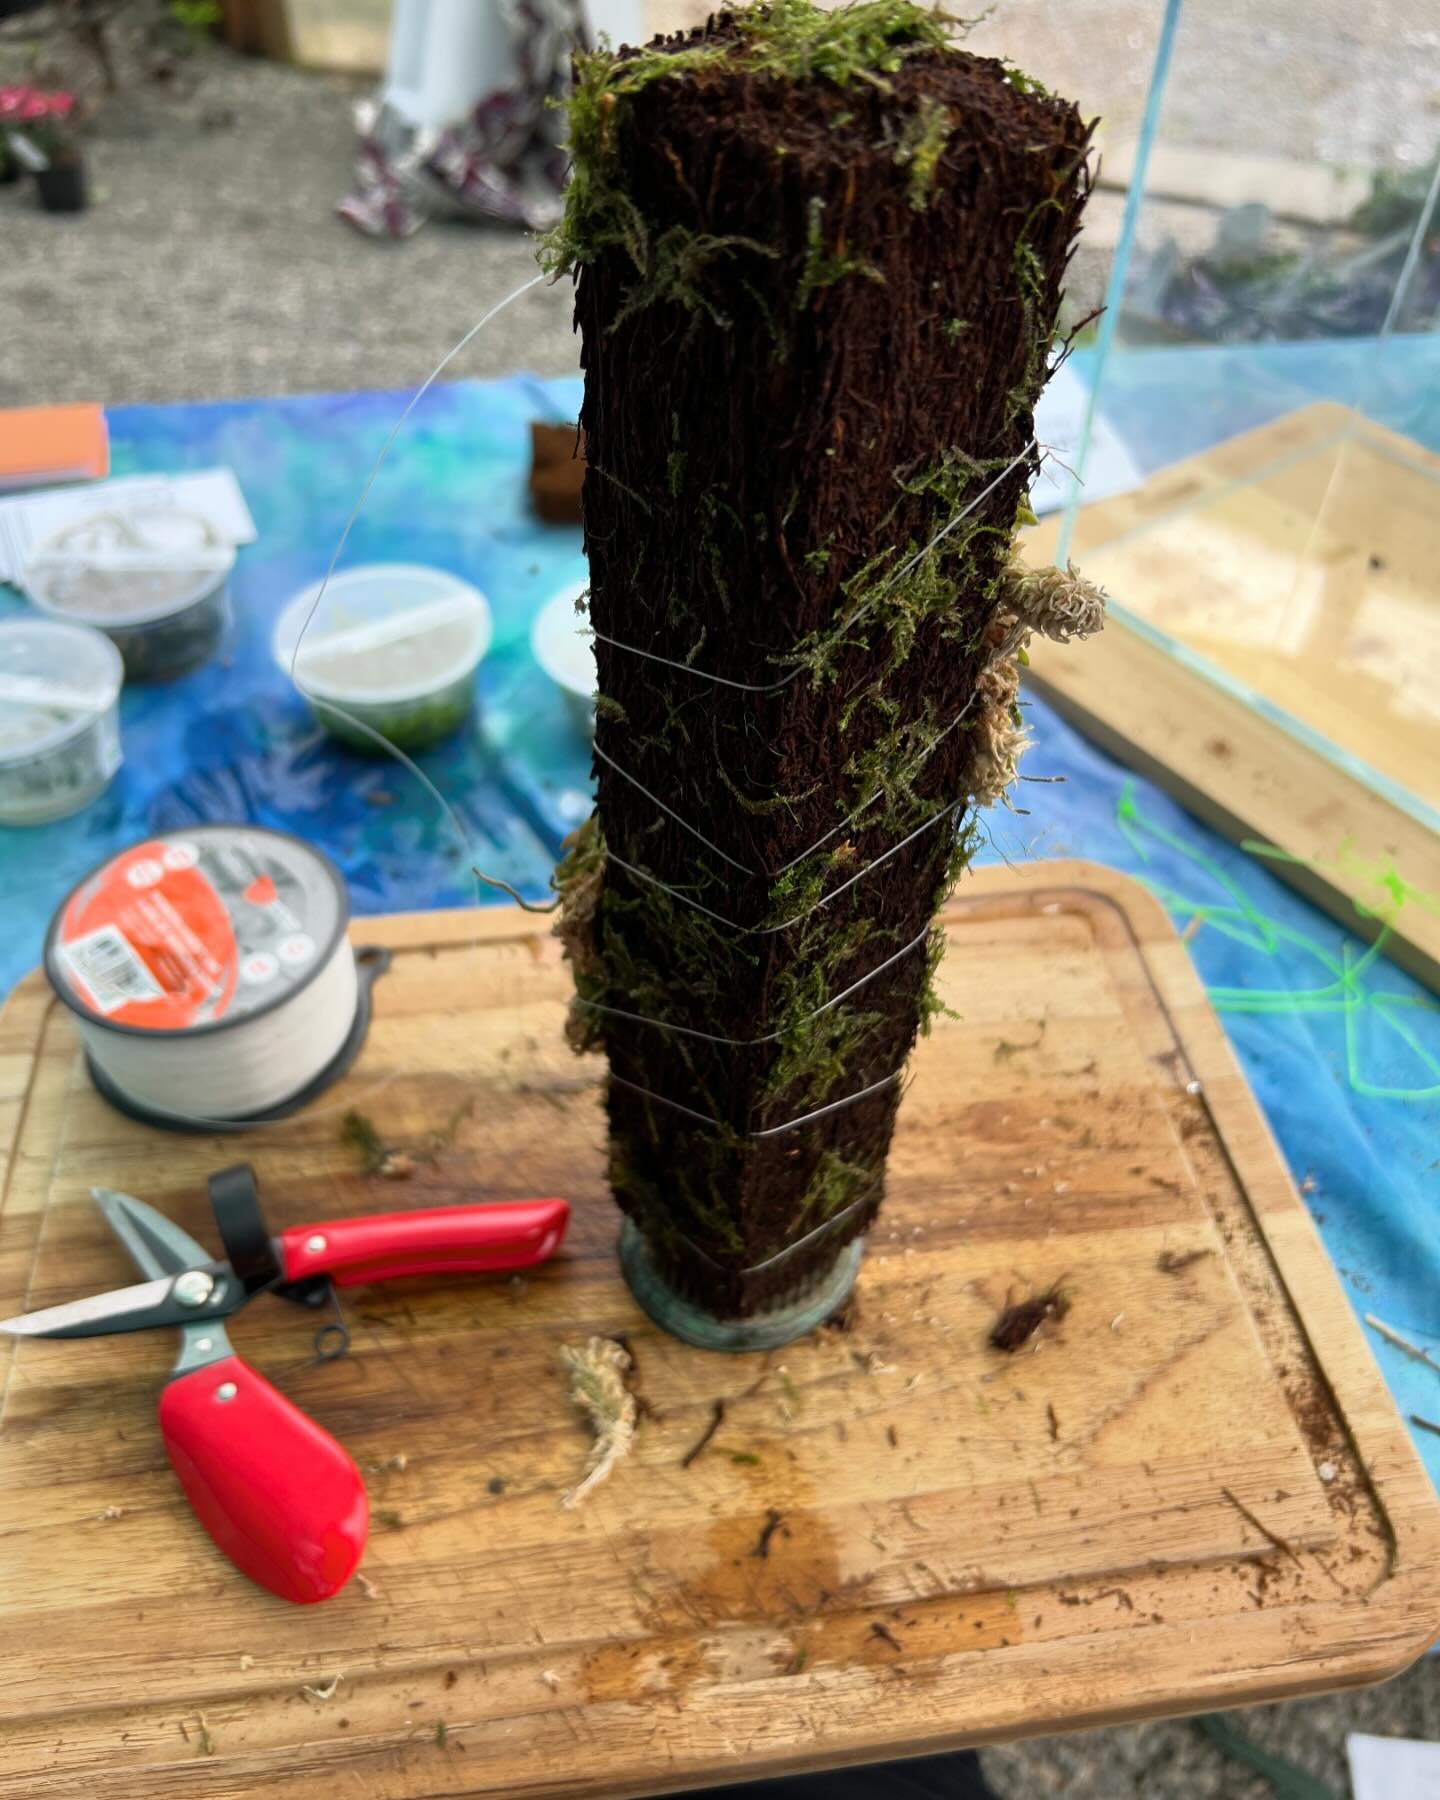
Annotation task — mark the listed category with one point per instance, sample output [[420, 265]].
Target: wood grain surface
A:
[[1193, 1491], [1298, 559]]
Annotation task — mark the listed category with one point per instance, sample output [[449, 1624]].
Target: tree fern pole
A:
[[819, 261]]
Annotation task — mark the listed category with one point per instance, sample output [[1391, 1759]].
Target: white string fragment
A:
[[773, 687]]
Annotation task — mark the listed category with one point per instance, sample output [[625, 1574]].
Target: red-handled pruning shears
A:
[[279, 1496]]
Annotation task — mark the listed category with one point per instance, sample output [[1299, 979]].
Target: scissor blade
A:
[[157, 1246], [95, 1313], [148, 1305]]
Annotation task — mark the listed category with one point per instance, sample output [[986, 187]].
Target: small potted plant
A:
[[40, 135]]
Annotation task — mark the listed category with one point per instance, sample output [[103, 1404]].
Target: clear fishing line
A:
[[266, 1054]]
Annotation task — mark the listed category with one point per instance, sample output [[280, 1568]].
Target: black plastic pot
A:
[[62, 188], [9, 169]]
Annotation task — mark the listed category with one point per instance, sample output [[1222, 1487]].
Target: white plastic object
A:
[[445, 55], [209, 971], [59, 718], [561, 643], [393, 646], [154, 579]]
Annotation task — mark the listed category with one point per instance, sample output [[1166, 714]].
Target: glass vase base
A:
[[678, 1314]]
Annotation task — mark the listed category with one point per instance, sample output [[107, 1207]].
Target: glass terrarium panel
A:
[[1270, 360]]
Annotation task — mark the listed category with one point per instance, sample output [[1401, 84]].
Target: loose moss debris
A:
[[1018, 1322], [378, 1157]]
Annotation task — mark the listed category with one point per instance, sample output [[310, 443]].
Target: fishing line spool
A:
[[211, 978]]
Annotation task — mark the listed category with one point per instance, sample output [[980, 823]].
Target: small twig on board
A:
[[717, 1419], [767, 1531], [1391, 1336], [1425, 1424], [1171, 1262], [1272, 1537]]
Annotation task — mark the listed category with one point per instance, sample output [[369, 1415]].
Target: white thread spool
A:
[[208, 972]]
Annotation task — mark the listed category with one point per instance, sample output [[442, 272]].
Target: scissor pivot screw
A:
[[316, 1242], [226, 1391], [194, 1287]]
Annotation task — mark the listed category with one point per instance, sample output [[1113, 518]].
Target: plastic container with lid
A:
[[561, 643], [59, 718], [155, 580], [394, 646]]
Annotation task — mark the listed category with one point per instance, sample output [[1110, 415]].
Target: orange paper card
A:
[[40, 444]]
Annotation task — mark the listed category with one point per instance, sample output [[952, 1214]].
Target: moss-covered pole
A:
[[820, 257]]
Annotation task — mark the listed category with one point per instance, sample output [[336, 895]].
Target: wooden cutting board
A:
[[1191, 1492]]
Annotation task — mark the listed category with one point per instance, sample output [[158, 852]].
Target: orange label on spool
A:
[[149, 942], [209, 927]]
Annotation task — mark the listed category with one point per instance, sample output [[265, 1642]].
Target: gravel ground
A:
[[212, 264]]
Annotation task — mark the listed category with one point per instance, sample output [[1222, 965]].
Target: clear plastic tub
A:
[[560, 642], [393, 646], [59, 718], [156, 581]]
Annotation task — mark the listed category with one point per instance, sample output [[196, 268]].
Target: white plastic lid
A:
[[55, 681], [561, 641], [115, 570], [382, 632]]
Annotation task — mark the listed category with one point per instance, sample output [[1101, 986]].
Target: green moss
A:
[[1023, 83], [673, 271], [932, 1007], [816, 1048], [760, 809], [886, 771], [922, 142], [823, 267], [835, 1185], [955, 329], [794, 39], [800, 889]]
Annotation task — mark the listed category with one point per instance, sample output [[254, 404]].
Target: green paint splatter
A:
[[1349, 991]]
